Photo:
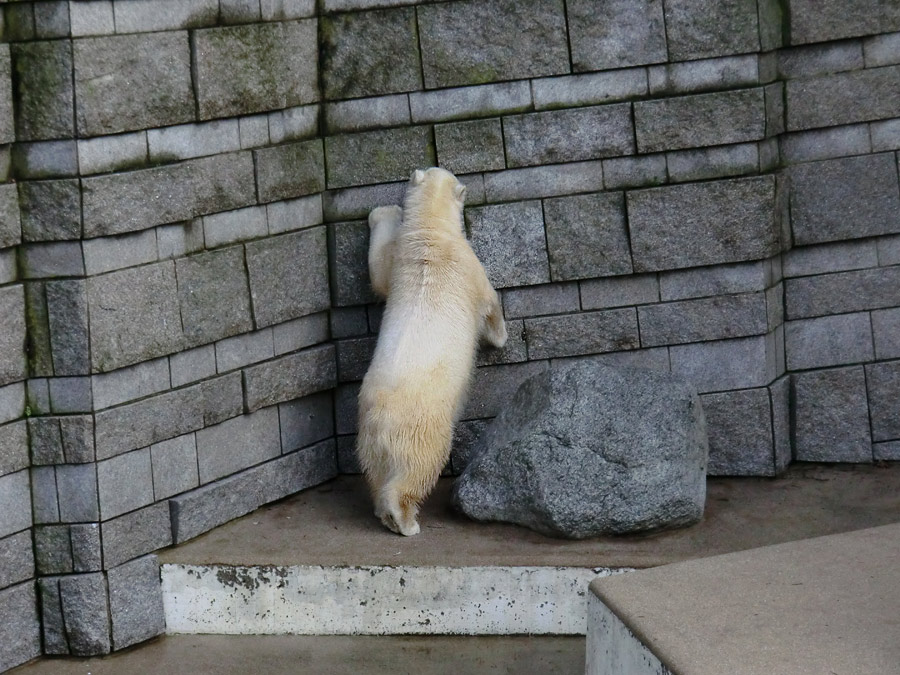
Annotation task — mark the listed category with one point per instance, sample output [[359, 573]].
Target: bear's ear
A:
[[418, 177], [460, 192]]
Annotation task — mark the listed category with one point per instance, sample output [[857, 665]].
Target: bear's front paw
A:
[[497, 335], [388, 215]]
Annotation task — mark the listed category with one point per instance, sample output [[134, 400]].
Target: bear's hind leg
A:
[[377, 480], [408, 488], [373, 459]]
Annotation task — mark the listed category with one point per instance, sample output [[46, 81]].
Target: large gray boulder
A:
[[586, 450]]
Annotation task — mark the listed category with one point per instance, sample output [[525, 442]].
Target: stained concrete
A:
[[824, 605], [292, 655], [403, 600], [333, 525]]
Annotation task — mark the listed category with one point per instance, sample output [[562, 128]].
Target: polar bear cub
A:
[[439, 304]]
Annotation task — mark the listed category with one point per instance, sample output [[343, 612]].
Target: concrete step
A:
[[824, 605], [376, 600], [319, 563], [293, 655]]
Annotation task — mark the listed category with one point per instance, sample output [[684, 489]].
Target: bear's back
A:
[[431, 314]]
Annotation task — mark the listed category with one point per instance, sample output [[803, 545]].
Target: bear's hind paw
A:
[[406, 529], [410, 530]]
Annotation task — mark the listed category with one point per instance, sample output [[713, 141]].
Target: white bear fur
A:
[[439, 303], [384, 222]]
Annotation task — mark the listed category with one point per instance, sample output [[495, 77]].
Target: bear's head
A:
[[438, 184]]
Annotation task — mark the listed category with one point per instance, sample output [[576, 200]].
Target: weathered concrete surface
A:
[[825, 605], [376, 600], [333, 525], [298, 655], [611, 648]]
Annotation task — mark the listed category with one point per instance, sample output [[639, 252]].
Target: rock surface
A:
[[588, 449]]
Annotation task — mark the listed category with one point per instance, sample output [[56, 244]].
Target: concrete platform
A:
[[333, 525], [319, 563], [289, 655], [824, 605], [330, 534]]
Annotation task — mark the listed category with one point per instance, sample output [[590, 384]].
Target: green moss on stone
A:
[[479, 73], [37, 329], [44, 92], [19, 22], [160, 159]]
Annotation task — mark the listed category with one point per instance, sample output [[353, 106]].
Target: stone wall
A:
[[172, 264], [20, 637], [649, 183], [703, 187]]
